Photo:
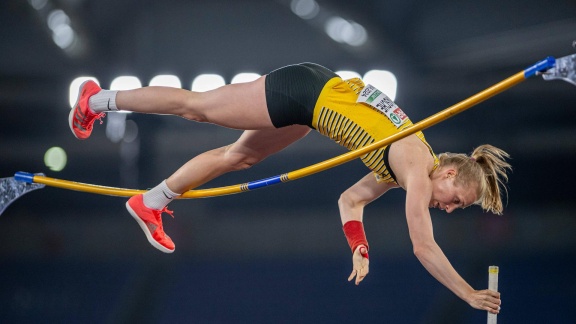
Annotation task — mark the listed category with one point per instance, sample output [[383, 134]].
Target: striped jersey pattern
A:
[[351, 136]]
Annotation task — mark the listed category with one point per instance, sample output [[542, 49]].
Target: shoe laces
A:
[[87, 124], [167, 211], [100, 116], [158, 213], [158, 216]]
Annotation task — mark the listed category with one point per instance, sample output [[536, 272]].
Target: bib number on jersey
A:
[[377, 99]]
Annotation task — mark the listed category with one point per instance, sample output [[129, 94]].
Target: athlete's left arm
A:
[[418, 193]]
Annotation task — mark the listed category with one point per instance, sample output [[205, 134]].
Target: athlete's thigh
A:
[[240, 106], [262, 143]]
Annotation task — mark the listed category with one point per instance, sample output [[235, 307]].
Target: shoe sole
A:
[[73, 110], [146, 231]]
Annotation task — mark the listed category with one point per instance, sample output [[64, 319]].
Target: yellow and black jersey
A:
[[352, 124], [310, 94]]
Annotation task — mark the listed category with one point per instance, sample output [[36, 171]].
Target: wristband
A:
[[354, 232]]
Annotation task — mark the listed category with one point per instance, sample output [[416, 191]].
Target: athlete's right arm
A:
[[354, 199], [351, 205]]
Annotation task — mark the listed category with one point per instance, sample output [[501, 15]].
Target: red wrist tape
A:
[[354, 231]]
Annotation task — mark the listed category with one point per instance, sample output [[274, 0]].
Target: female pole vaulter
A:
[[283, 106]]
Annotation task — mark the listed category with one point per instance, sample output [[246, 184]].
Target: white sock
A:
[[159, 196], [104, 100]]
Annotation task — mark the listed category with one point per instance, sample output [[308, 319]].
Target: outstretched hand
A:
[[360, 264], [487, 300]]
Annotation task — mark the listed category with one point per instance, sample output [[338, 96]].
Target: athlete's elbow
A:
[[421, 250], [349, 200], [344, 200]]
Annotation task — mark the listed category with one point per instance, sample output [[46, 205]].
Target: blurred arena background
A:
[[278, 255]]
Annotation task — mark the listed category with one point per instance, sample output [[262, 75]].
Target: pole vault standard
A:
[[563, 68]]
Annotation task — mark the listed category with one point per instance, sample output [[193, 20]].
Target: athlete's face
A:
[[447, 195]]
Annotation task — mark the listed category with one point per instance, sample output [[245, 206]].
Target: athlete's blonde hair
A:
[[485, 167]]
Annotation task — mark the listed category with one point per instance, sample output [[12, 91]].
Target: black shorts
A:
[[292, 92]]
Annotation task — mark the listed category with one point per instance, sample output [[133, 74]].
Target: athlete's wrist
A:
[[356, 237]]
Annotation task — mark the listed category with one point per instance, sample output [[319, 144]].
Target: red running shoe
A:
[[150, 220], [81, 117]]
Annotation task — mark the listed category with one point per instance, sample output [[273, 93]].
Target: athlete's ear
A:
[[450, 172]]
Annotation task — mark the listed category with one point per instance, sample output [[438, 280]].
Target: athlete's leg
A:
[[240, 106], [252, 147]]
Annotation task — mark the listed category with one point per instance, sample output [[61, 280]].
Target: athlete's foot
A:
[[150, 220], [81, 117]]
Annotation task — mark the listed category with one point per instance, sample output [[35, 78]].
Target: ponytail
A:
[[493, 163]]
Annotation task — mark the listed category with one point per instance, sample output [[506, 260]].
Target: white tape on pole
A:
[[493, 285]]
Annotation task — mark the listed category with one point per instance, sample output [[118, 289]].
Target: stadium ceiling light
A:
[[345, 75], [245, 77], [383, 80], [345, 31], [166, 80], [305, 9], [206, 82]]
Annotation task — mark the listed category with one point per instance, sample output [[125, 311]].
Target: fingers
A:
[[492, 293], [360, 264], [352, 275], [493, 310], [494, 299], [489, 300], [360, 276], [489, 307]]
